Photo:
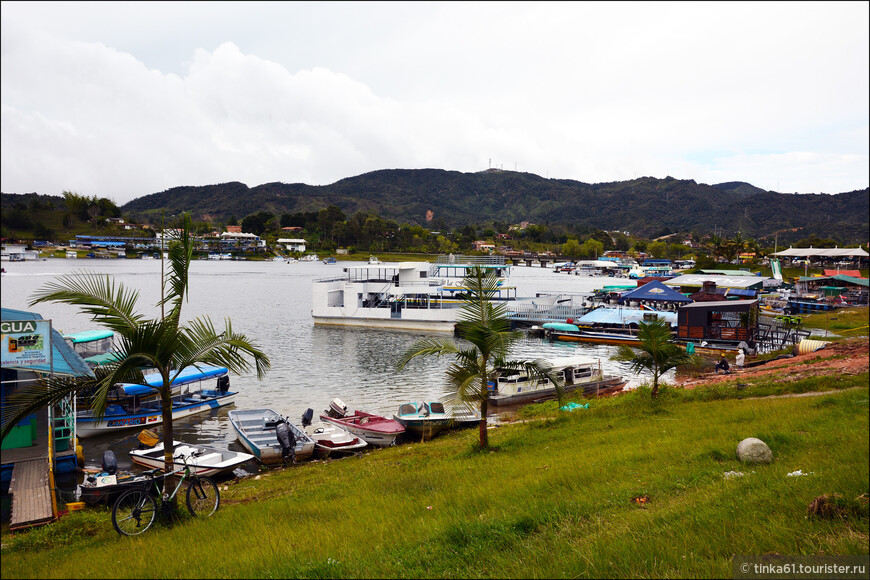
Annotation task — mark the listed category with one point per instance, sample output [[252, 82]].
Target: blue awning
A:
[[65, 361], [88, 335], [189, 374]]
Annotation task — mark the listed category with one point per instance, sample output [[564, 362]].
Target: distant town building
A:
[[292, 244]]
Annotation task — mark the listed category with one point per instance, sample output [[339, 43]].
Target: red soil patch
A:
[[848, 357]]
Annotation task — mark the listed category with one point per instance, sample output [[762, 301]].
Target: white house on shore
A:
[[292, 244]]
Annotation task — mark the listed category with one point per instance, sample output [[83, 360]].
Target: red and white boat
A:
[[374, 429]]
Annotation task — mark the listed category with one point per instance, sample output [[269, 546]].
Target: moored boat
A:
[[197, 389], [429, 418], [330, 440], [576, 373], [374, 429], [201, 459], [105, 485], [402, 295], [269, 436]]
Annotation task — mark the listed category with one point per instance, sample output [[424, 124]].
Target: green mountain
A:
[[645, 207]]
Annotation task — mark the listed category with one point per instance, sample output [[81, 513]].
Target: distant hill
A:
[[645, 207]]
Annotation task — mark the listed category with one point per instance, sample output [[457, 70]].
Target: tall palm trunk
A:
[[166, 412], [484, 432]]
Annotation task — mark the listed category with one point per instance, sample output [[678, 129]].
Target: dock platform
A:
[[31, 494]]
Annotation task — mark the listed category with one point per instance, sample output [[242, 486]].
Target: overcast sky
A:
[[125, 99]]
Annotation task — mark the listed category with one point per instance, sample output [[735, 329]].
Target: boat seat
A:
[[209, 458]]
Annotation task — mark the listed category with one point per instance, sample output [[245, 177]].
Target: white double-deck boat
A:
[[197, 389], [402, 295]]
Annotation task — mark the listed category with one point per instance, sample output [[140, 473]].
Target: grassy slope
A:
[[554, 500]]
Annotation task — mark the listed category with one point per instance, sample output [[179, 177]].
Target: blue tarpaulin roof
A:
[[741, 292], [65, 361], [654, 290]]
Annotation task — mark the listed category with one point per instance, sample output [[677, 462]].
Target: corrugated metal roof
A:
[[721, 281]]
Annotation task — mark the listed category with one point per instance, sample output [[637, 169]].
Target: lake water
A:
[[270, 302]]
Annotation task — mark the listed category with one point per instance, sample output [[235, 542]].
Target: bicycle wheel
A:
[[203, 497], [134, 512]]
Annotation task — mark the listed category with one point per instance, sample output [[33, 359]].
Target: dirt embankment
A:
[[849, 357]]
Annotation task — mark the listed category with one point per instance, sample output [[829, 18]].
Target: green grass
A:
[[848, 322], [554, 498]]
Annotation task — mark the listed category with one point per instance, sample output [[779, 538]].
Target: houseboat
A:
[[402, 295], [576, 373]]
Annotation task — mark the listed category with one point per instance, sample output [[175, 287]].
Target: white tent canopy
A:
[[823, 253]]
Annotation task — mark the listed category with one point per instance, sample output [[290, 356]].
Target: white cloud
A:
[[126, 99]]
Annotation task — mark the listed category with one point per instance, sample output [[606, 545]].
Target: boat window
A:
[[407, 409], [436, 407]]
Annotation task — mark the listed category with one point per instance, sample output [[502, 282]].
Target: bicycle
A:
[[136, 509]]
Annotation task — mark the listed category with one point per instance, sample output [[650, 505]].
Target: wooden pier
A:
[[31, 493]]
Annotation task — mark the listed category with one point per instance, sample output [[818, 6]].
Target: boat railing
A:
[[471, 260]]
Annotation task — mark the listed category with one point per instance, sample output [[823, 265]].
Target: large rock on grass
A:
[[753, 450]]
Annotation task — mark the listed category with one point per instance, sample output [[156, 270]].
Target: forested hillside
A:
[[646, 207], [437, 199]]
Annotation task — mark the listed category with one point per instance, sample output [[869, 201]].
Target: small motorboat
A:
[[269, 436], [330, 440], [429, 418], [374, 429], [203, 460], [104, 486]]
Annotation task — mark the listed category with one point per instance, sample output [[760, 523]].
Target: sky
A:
[[125, 99]]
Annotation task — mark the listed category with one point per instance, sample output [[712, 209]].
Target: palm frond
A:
[[177, 279], [107, 303], [200, 342], [426, 347]]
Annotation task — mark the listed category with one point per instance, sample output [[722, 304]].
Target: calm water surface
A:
[[270, 302]]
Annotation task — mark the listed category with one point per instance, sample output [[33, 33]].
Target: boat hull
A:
[[606, 386], [89, 426], [383, 436], [262, 441], [333, 441], [102, 490], [211, 461]]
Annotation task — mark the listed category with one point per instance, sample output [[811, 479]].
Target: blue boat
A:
[[808, 306], [197, 389]]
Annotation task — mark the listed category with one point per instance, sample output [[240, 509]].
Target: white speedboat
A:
[[203, 460], [330, 440]]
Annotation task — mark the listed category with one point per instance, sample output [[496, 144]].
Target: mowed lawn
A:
[[625, 488]]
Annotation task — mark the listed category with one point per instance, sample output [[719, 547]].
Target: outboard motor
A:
[[337, 409], [110, 463], [306, 417], [287, 441], [223, 384]]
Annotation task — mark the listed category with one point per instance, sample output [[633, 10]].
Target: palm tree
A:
[[658, 354], [165, 344], [484, 325]]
